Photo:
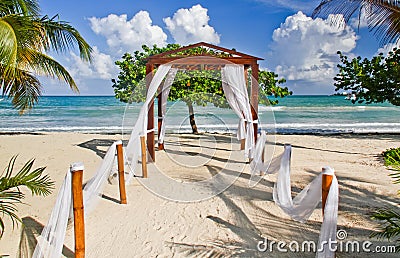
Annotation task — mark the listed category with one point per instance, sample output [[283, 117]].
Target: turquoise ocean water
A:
[[294, 114]]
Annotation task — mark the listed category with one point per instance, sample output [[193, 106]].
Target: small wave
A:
[[328, 108], [280, 128]]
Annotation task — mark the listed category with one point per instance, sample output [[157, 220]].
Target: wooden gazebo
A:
[[205, 61]]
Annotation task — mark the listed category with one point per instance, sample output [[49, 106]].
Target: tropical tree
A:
[[26, 37], [375, 80], [382, 16], [11, 194], [192, 86]]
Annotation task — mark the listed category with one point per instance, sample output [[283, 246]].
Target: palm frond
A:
[[25, 7], [25, 37], [389, 227], [10, 193], [34, 180], [17, 34], [383, 16], [43, 64], [346, 8], [61, 36], [9, 47], [24, 91]]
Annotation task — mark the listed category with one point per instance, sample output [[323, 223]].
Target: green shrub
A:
[[392, 157]]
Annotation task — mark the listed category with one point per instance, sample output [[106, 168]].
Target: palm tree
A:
[[382, 16], [10, 193], [25, 39]]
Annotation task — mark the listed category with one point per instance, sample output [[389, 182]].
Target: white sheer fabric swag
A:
[[235, 90], [51, 241], [140, 128], [164, 97], [302, 206]]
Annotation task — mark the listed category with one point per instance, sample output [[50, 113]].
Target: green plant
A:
[[392, 157], [11, 194], [375, 80], [389, 225], [389, 219], [26, 38]]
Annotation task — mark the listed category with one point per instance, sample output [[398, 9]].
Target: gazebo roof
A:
[[230, 55]]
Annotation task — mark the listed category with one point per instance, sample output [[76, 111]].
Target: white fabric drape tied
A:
[[164, 96], [140, 128], [302, 206], [234, 86]]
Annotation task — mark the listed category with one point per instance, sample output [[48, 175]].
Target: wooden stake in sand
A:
[[326, 185], [79, 220], [121, 173], [144, 157]]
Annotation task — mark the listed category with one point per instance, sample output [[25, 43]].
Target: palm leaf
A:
[[10, 194], [26, 7], [383, 16], [60, 37], [44, 65], [17, 35], [389, 225], [25, 38], [24, 91], [8, 43]]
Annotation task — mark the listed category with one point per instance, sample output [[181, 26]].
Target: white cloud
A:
[[102, 66], [123, 35], [191, 26], [388, 47], [305, 49]]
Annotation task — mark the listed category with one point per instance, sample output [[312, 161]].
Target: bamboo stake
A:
[[326, 185], [121, 173], [79, 220], [242, 144], [144, 157]]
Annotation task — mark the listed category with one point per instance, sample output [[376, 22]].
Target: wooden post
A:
[[150, 120], [144, 156], [242, 144], [121, 173], [326, 185], [79, 220], [254, 97]]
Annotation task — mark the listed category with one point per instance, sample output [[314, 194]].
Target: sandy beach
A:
[[229, 224]]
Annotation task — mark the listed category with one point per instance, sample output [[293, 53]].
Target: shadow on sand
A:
[[31, 229]]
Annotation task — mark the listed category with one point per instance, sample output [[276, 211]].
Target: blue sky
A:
[[297, 47]]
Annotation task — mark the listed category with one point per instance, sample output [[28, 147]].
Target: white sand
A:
[[231, 223]]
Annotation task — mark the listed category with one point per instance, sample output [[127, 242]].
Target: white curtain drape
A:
[[232, 101], [302, 206], [329, 224], [51, 241], [140, 128], [235, 90], [164, 93], [94, 187]]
